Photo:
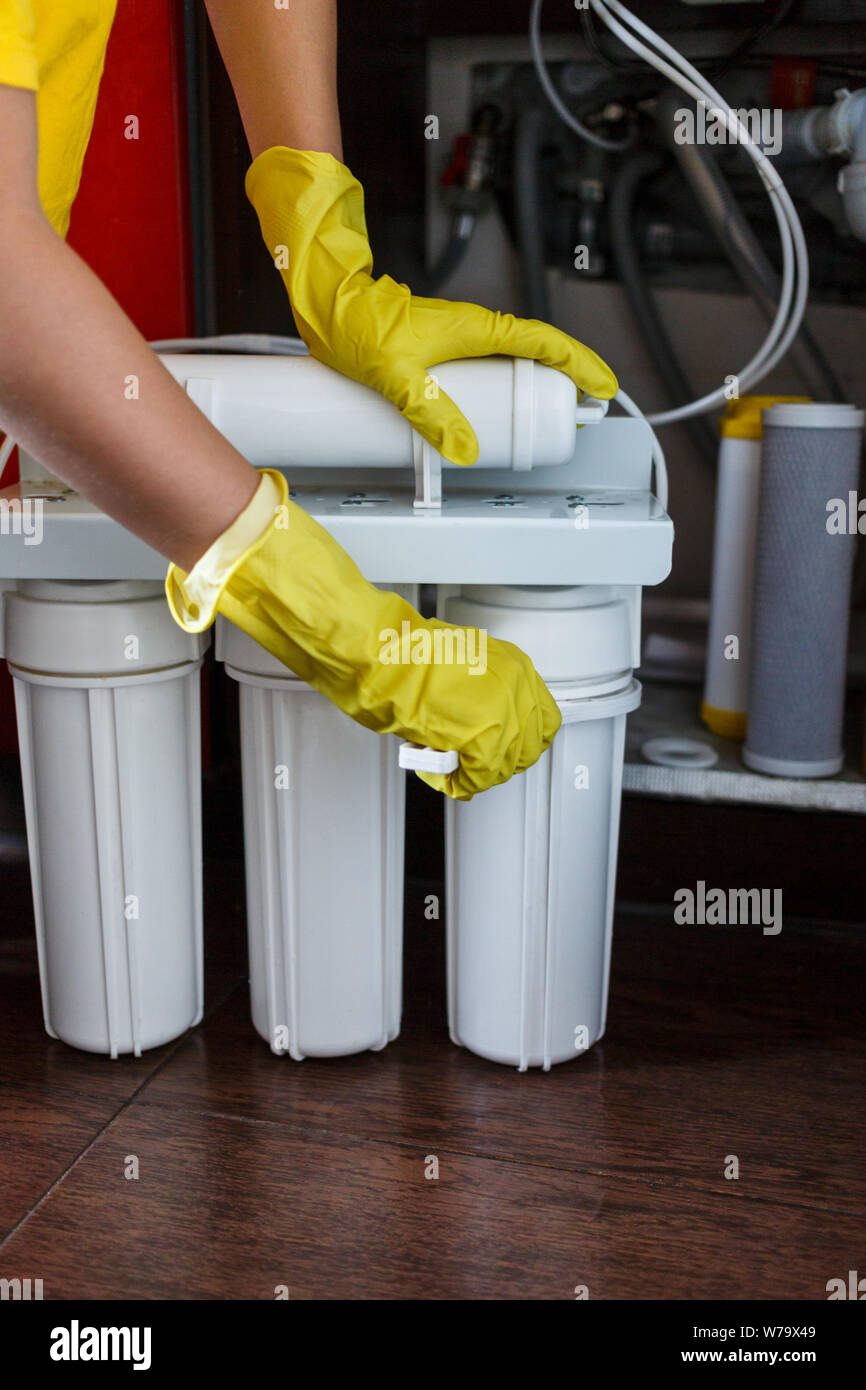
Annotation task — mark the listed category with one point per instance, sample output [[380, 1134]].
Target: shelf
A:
[[671, 710]]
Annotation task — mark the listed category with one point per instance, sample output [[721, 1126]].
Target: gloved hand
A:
[[282, 578], [311, 211]]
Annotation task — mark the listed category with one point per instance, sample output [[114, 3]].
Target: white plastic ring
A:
[[679, 752]]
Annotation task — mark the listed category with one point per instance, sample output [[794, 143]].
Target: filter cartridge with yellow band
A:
[[723, 708]]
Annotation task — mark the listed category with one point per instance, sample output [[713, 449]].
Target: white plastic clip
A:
[[428, 474], [591, 411], [414, 758]]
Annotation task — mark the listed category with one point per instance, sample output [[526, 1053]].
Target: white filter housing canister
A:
[[324, 811], [531, 865], [107, 698]]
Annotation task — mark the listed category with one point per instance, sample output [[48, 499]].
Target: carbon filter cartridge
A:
[[803, 565]]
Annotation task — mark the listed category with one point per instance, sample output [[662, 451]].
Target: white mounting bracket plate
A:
[[593, 520]]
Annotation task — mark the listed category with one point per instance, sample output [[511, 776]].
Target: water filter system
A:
[[548, 543]]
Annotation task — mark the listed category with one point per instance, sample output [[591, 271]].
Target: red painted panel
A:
[[130, 221]]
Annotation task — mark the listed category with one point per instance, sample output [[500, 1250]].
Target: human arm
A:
[[282, 64], [80, 388]]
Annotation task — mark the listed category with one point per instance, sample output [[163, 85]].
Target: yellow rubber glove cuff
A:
[[311, 212], [193, 598]]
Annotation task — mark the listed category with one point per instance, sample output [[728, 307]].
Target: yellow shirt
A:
[[56, 48]]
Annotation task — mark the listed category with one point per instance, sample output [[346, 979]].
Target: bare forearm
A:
[[80, 389], [283, 67]]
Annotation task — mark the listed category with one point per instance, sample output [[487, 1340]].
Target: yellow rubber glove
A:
[[311, 211], [279, 575]]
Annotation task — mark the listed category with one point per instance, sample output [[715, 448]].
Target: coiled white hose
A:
[[795, 259], [603, 142]]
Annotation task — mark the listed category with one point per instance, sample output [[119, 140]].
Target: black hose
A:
[[452, 256], [633, 172], [529, 130], [613, 61], [754, 37]]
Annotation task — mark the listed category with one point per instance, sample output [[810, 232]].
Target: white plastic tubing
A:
[[643, 41]]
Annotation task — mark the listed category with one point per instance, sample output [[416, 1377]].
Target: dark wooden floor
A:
[[608, 1172]]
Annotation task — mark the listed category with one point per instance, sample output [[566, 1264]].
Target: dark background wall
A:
[[382, 98]]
